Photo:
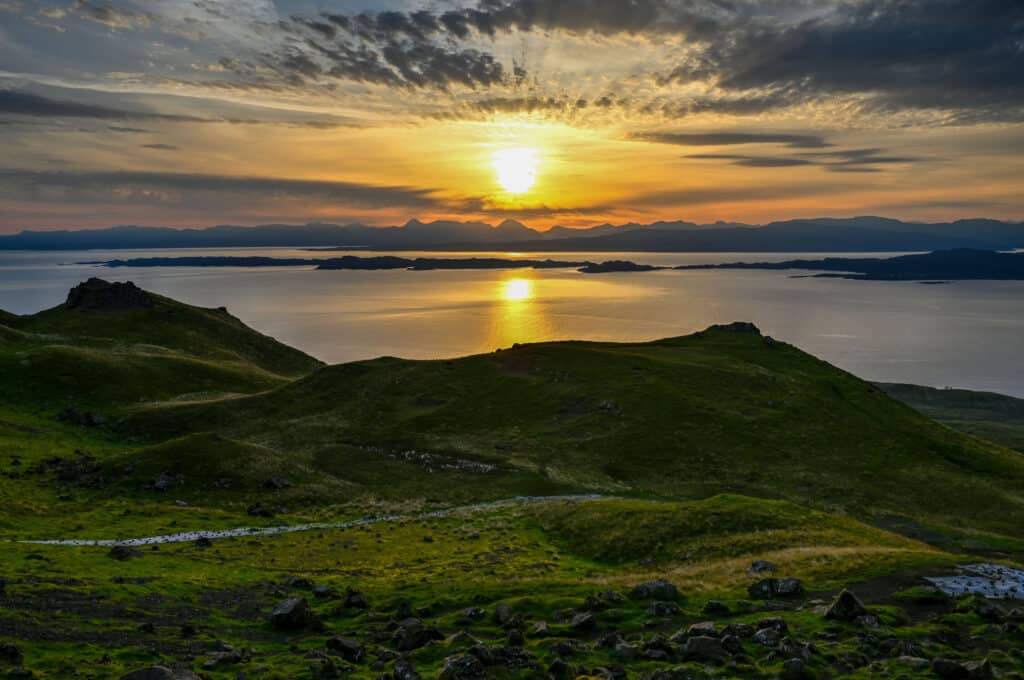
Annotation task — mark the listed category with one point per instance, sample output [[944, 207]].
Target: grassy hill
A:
[[991, 416], [712, 451], [723, 411], [112, 345]]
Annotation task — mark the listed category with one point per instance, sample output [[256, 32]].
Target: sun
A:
[[516, 168], [518, 289]]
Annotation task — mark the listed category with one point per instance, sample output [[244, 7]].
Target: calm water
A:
[[967, 334]]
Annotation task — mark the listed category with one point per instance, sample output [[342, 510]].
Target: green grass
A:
[[987, 415], [719, 448]]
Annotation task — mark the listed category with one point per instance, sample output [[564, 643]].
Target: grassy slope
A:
[[111, 359], [717, 412], [995, 417]]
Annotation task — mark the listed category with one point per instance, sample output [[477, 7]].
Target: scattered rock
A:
[[160, 673], [967, 670], [583, 621], [124, 552], [794, 669], [769, 588], [276, 484], [540, 629], [704, 648], [292, 614], [715, 608], [662, 608], [659, 589], [412, 634], [348, 649], [761, 567], [404, 670], [11, 654], [462, 667], [81, 418], [846, 607], [355, 600], [257, 510]]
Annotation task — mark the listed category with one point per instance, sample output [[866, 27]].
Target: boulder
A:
[[462, 667], [124, 552], [348, 649], [659, 589], [292, 614], [703, 628], [795, 669], [355, 600], [412, 634], [662, 608], [761, 567], [715, 608], [704, 648], [583, 622], [160, 673], [966, 670], [11, 654], [769, 588], [257, 510], [846, 607], [403, 670]]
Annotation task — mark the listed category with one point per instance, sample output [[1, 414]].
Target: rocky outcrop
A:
[[97, 295]]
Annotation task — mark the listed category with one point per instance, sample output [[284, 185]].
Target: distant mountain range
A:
[[856, 234]]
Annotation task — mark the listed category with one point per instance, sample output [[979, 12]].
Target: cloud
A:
[[892, 55], [840, 160], [159, 147], [732, 138], [204, 189], [27, 104], [20, 103], [109, 15], [121, 128]]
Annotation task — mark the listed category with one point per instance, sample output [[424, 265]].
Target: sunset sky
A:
[[199, 112]]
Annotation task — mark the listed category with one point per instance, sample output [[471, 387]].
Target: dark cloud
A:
[[204, 189], [159, 147], [732, 138], [27, 104], [950, 55], [840, 160], [20, 103]]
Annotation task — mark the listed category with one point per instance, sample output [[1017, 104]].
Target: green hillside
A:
[[991, 416], [723, 411], [125, 415], [112, 345]]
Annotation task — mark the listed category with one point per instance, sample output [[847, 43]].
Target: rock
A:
[[583, 622], [324, 669], [540, 629], [561, 670], [774, 622], [348, 649], [257, 510], [503, 614], [160, 673], [967, 670], [187, 631], [220, 659], [462, 667], [124, 552], [740, 630], [470, 614], [323, 591], [769, 637], [761, 567], [846, 607], [412, 634], [659, 589], [97, 295], [11, 654], [355, 600], [704, 648], [300, 582], [794, 669], [660, 608], [769, 588], [292, 614], [678, 673], [403, 670], [276, 484], [715, 608], [626, 651], [516, 638], [703, 628], [80, 418], [203, 543], [915, 662]]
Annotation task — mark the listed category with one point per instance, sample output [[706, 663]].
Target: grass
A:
[[987, 415], [719, 448]]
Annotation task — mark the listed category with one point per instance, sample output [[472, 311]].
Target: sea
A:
[[967, 334]]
